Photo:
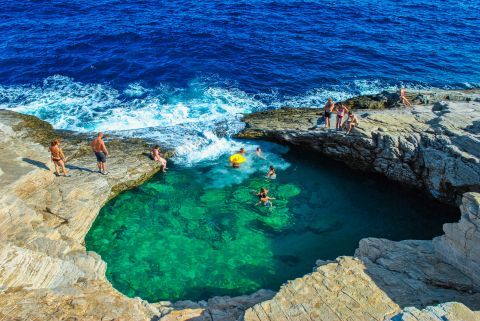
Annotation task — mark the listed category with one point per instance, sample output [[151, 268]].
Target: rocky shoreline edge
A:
[[46, 273]]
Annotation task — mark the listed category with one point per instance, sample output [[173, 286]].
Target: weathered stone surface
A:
[[335, 291], [383, 278], [460, 245], [45, 272], [434, 148], [441, 312]]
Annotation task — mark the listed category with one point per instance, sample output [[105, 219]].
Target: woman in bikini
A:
[[340, 113], [57, 157]]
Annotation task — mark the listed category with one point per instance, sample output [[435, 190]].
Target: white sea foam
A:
[[198, 120]]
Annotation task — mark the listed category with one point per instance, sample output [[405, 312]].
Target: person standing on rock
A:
[[101, 152], [58, 157], [328, 109], [404, 99], [340, 113]]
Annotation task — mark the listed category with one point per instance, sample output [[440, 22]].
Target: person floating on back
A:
[[271, 173], [238, 158], [58, 157], [340, 113], [328, 109], [101, 152], [404, 99], [351, 122], [157, 156]]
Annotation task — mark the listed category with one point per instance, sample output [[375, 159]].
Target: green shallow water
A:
[[195, 232]]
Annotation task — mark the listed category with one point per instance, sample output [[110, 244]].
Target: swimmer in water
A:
[[271, 173], [264, 198], [239, 155], [258, 152]]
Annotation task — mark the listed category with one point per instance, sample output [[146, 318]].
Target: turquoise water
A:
[[195, 232]]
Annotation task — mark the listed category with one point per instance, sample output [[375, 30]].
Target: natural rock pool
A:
[[195, 232]]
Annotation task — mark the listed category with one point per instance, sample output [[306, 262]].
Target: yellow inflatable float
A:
[[238, 158]]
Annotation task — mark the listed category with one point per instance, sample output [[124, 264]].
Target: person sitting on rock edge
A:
[[351, 122], [157, 156]]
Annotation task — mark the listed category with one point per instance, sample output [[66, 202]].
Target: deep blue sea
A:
[[182, 72]]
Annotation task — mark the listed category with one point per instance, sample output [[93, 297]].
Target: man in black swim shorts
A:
[[101, 152], [329, 106]]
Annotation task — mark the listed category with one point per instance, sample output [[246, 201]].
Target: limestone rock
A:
[[460, 245], [435, 148], [46, 273]]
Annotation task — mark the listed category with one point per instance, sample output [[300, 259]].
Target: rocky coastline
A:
[[433, 147], [47, 274]]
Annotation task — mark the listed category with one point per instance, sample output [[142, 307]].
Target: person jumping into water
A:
[[157, 156], [404, 99], [340, 113], [328, 109], [101, 152], [58, 157]]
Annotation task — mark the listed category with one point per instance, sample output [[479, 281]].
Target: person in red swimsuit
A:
[[340, 113]]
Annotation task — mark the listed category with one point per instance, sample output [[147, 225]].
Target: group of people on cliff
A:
[[98, 147], [340, 109], [100, 151], [330, 108]]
